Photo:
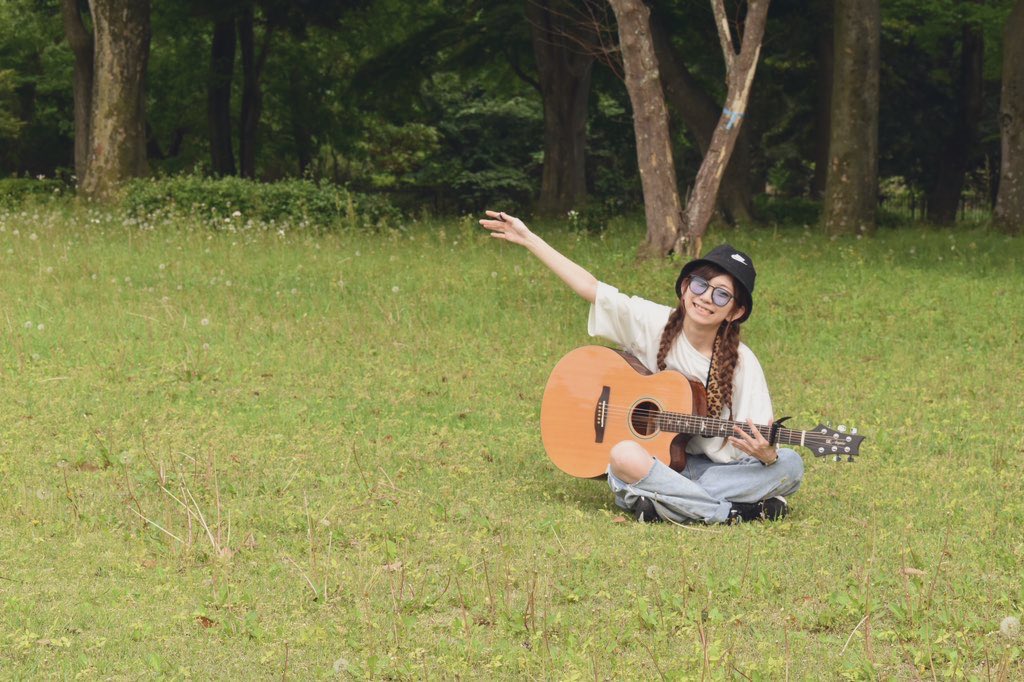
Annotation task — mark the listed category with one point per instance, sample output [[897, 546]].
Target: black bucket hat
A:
[[736, 263]]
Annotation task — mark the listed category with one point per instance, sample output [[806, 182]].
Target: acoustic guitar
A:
[[597, 397]]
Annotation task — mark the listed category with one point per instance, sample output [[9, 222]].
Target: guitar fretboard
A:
[[711, 427]]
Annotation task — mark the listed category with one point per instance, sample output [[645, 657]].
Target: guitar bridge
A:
[[601, 415]]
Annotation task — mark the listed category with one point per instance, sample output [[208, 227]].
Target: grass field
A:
[[264, 454]]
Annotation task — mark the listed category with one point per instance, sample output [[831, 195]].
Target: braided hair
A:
[[724, 352]]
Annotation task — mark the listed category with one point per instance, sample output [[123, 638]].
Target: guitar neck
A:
[[821, 440], [710, 427]]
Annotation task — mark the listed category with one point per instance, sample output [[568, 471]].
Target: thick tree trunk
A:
[[117, 137], [700, 115], [823, 98], [1009, 213], [650, 124], [739, 69], [80, 40], [565, 88], [944, 197], [218, 97], [851, 191], [252, 94]]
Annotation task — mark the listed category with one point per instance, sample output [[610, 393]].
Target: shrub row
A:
[[16, 191], [320, 205]]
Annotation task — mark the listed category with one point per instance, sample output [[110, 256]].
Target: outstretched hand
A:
[[504, 226]]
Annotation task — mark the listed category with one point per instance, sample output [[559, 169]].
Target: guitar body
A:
[[597, 397]]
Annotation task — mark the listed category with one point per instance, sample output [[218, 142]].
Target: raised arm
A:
[[514, 230]]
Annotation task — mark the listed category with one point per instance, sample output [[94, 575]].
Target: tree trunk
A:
[[851, 191], [700, 114], [80, 41], [301, 118], [565, 88], [944, 197], [218, 97], [252, 94], [650, 124], [117, 130], [823, 97], [1009, 213], [739, 75]]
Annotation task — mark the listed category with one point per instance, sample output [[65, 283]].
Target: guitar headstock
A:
[[840, 442]]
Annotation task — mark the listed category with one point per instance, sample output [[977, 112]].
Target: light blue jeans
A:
[[705, 490]]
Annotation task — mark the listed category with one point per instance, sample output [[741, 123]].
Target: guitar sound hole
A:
[[643, 418]]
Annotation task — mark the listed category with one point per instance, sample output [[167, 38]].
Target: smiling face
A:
[[701, 308]]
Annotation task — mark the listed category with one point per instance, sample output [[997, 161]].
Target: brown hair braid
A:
[[724, 353]]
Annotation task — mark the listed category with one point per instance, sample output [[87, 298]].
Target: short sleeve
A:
[[630, 321]]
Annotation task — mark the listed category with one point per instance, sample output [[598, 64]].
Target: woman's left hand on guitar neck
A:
[[755, 444]]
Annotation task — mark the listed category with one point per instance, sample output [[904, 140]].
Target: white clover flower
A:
[[33, 236], [41, 327], [394, 290], [28, 324], [205, 322], [494, 275], [236, 214]]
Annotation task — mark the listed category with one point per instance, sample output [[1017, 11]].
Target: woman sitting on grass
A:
[[741, 478]]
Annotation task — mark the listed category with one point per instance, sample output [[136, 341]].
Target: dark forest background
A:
[[440, 105]]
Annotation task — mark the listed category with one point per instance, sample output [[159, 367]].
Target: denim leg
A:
[[747, 480], [675, 497]]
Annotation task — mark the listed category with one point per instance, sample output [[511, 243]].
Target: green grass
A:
[[355, 417]]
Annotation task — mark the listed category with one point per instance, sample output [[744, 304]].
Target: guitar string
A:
[[720, 424]]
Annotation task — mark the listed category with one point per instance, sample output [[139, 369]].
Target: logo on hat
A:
[[740, 258]]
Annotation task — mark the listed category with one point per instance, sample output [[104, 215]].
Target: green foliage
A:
[[787, 210], [35, 89], [15, 192], [10, 125], [234, 200], [491, 144]]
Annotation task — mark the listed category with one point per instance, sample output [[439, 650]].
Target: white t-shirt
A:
[[636, 325]]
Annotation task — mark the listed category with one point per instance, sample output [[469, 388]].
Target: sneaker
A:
[[772, 509], [775, 508], [644, 511]]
